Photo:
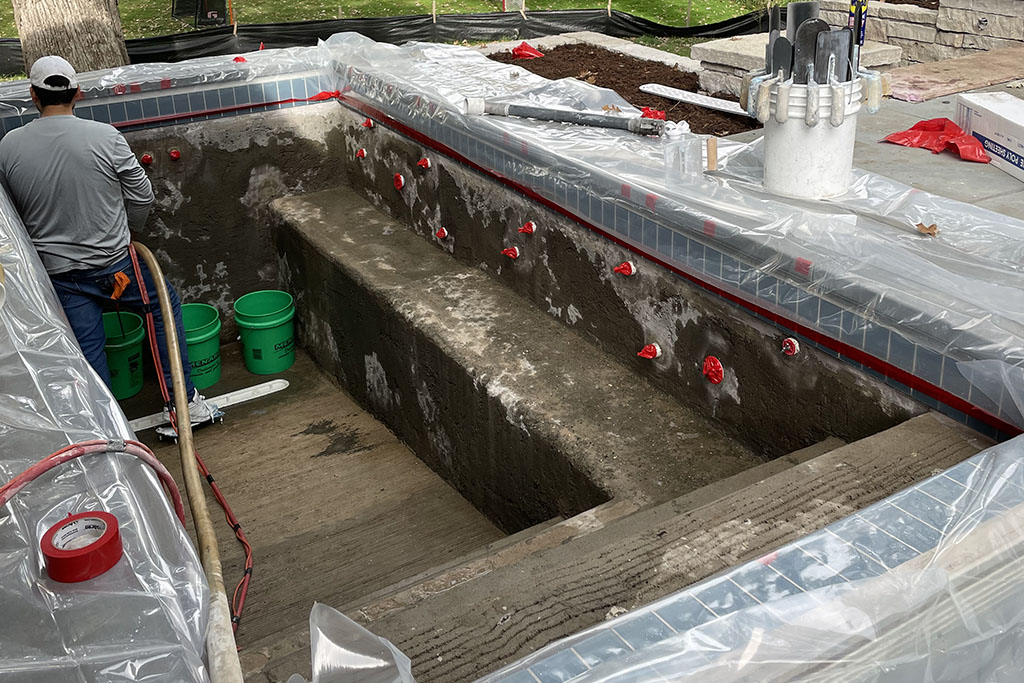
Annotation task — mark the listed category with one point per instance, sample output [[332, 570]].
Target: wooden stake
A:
[[609, 8], [433, 10], [712, 153]]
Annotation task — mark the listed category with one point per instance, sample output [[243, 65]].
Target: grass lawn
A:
[[143, 18]]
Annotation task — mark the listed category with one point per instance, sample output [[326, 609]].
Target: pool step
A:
[[524, 416], [558, 591]]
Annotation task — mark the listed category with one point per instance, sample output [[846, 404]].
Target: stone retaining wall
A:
[[958, 28]]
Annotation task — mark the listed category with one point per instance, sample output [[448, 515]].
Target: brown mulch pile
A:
[[625, 75], [927, 4]]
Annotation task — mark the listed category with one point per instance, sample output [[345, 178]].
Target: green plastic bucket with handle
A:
[[125, 332], [267, 330], [202, 335]]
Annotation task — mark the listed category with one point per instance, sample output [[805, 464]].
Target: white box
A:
[[997, 120]]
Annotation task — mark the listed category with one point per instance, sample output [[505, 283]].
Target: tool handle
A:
[[811, 116], [764, 94], [837, 113], [872, 90], [782, 102]]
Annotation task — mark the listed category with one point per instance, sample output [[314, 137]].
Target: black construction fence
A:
[[447, 28]]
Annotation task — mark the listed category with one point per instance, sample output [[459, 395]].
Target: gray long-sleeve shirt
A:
[[78, 188]]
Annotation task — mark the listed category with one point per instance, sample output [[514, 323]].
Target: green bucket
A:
[[268, 333], [124, 353], [202, 335]]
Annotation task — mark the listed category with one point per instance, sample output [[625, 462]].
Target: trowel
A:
[[782, 57], [804, 47], [796, 14], [832, 44]]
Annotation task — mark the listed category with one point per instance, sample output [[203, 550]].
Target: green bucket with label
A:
[[267, 330], [125, 332], [202, 335]]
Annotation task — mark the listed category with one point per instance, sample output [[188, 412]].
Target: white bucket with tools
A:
[[808, 153]]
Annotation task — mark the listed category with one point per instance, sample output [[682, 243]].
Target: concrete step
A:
[[635, 560], [524, 416]]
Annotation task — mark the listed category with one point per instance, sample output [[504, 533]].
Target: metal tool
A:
[[832, 51], [769, 49], [858, 15], [805, 45], [782, 57], [796, 14], [705, 101], [752, 86]]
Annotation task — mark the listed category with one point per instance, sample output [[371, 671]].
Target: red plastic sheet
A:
[[938, 135], [526, 51]]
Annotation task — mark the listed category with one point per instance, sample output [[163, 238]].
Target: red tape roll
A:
[[81, 547]]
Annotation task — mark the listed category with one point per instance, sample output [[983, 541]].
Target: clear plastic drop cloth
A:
[[342, 651], [959, 293], [926, 586], [144, 619]]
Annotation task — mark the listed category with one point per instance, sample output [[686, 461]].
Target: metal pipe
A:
[[221, 651], [634, 124]]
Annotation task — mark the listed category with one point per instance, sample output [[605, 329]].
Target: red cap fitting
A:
[[368, 123], [238, 59], [441, 234], [399, 181], [790, 346], [625, 268], [511, 252], [360, 153], [423, 163], [713, 370], [528, 228], [650, 352], [174, 154], [146, 159]]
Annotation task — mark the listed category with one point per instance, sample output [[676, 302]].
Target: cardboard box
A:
[[997, 120]]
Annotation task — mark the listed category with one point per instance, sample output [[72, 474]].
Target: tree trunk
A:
[[87, 33]]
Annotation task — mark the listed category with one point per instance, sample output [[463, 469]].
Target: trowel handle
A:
[[872, 89], [764, 96], [837, 113], [748, 97], [811, 115], [782, 101]]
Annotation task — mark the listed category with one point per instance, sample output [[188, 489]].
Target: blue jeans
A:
[[85, 293]]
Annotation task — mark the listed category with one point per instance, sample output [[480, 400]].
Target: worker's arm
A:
[[135, 186]]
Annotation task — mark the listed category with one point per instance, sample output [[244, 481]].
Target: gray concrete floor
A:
[[942, 174]]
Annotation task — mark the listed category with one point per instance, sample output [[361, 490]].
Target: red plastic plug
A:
[[650, 352], [713, 370], [511, 252], [626, 268], [441, 234], [528, 228], [790, 346], [368, 123], [423, 163], [399, 181], [174, 154], [146, 159]]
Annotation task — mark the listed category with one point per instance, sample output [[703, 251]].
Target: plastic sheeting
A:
[[144, 619], [950, 612], [960, 294], [342, 651]]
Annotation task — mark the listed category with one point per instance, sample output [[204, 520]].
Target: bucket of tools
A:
[[808, 139], [808, 97]]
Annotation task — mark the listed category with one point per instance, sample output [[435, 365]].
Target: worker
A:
[[80, 192]]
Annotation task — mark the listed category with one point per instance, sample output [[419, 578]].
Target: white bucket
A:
[[810, 162]]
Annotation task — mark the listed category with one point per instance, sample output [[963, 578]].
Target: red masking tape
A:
[[81, 547]]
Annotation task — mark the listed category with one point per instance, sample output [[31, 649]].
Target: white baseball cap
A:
[[46, 67]]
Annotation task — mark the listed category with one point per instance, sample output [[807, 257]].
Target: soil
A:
[[927, 4], [625, 75]]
